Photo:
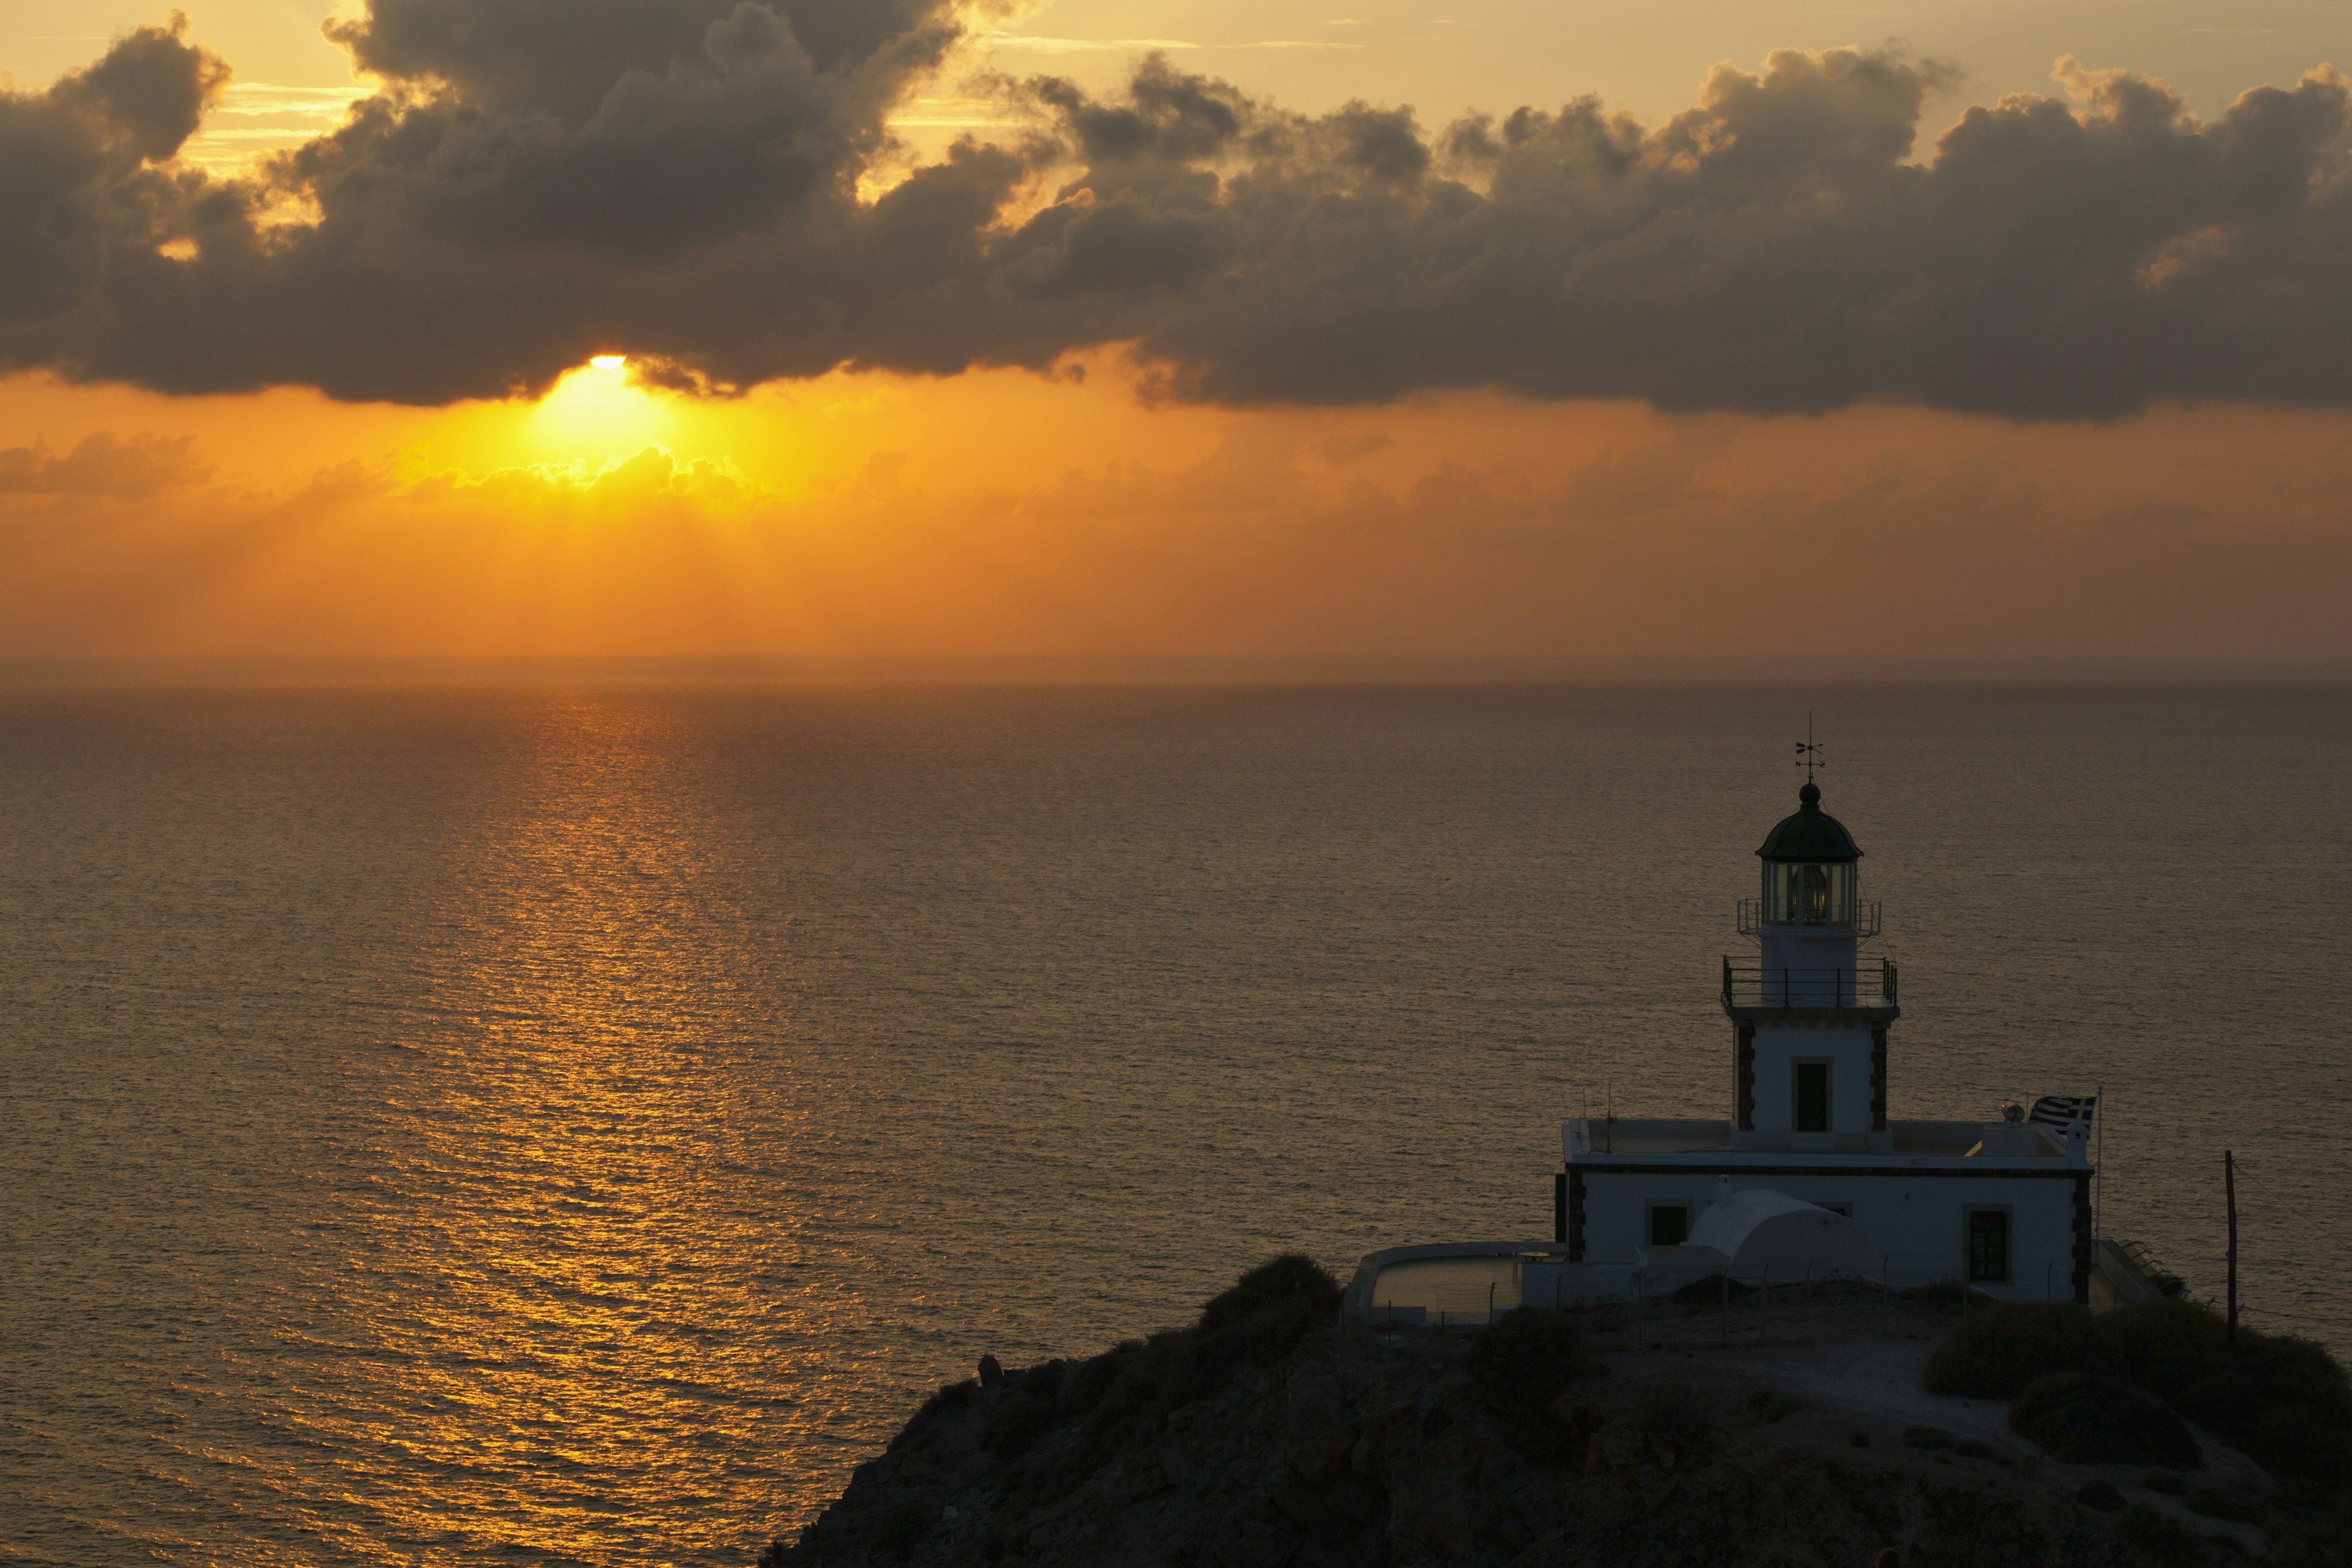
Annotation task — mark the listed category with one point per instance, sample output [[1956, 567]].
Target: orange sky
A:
[[1004, 513], [1001, 511]]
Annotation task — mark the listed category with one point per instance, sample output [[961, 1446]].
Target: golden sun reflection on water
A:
[[578, 1244]]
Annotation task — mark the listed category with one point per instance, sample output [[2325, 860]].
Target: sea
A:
[[576, 1125]]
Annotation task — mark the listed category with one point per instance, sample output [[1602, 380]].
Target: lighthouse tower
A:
[[1809, 1021], [1644, 1206]]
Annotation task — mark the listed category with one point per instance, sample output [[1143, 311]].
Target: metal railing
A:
[[1864, 922], [1777, 985], [2143, 1259]]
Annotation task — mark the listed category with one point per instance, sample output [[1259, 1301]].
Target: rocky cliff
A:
[[1267, 1436]]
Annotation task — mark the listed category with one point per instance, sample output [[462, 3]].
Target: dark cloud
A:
[[562, 56], [544, 179], [81, 174], [1773, 249], [101, 464], [702, 152]]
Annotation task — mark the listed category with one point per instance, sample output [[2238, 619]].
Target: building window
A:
[[1812, 1097], [1669, 1225], [1987, 1246]]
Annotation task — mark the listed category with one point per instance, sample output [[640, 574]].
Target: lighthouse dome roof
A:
[[1811, 834]]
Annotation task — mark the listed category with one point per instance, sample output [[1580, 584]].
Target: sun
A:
[[596, 412]]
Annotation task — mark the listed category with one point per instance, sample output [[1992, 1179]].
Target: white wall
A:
[[1807, 947], [1778, 1050], [1920, 1222]]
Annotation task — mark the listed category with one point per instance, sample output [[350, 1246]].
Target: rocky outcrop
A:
[[1328, 1448]]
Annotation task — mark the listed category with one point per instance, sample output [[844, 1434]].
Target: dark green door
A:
[[1812, 1097]]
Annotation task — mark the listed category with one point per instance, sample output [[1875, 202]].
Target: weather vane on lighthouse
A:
[[1809, 751]]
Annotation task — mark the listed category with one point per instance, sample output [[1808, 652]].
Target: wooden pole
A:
[[2230, 1199]]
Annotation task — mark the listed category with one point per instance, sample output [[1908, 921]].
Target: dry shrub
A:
[[1996, 1351], [2284, 1401], [2080, 1419], [1522, 1364]]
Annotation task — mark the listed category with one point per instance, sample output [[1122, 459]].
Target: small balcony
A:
[[1864, 922], [1752, 985]]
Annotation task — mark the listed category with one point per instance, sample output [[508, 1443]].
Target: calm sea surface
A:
[[574, 1126]]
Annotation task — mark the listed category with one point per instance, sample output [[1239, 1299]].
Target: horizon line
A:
[[26, 674]]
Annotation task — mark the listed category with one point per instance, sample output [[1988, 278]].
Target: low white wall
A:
[[1572, 1285], [1557, 1283], [1586, 1135], [1357, 1299]]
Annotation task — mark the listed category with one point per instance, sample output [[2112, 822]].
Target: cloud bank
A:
[[541, 180], [101, 464]]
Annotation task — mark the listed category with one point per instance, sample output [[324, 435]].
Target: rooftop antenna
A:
[[1809, 751]]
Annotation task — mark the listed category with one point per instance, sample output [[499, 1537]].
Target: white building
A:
[[2004, 1205]]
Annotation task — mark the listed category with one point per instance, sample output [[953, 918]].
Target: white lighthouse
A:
[[1809, 1022], [1808, 1171]]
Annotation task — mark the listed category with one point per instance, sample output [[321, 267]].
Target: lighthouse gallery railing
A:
[[1753, 985], [1865, 922]]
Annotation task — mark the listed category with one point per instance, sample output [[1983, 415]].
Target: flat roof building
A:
[[2002, 1206]]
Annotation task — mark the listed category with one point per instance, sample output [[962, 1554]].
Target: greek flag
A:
[[2058, 1109]]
